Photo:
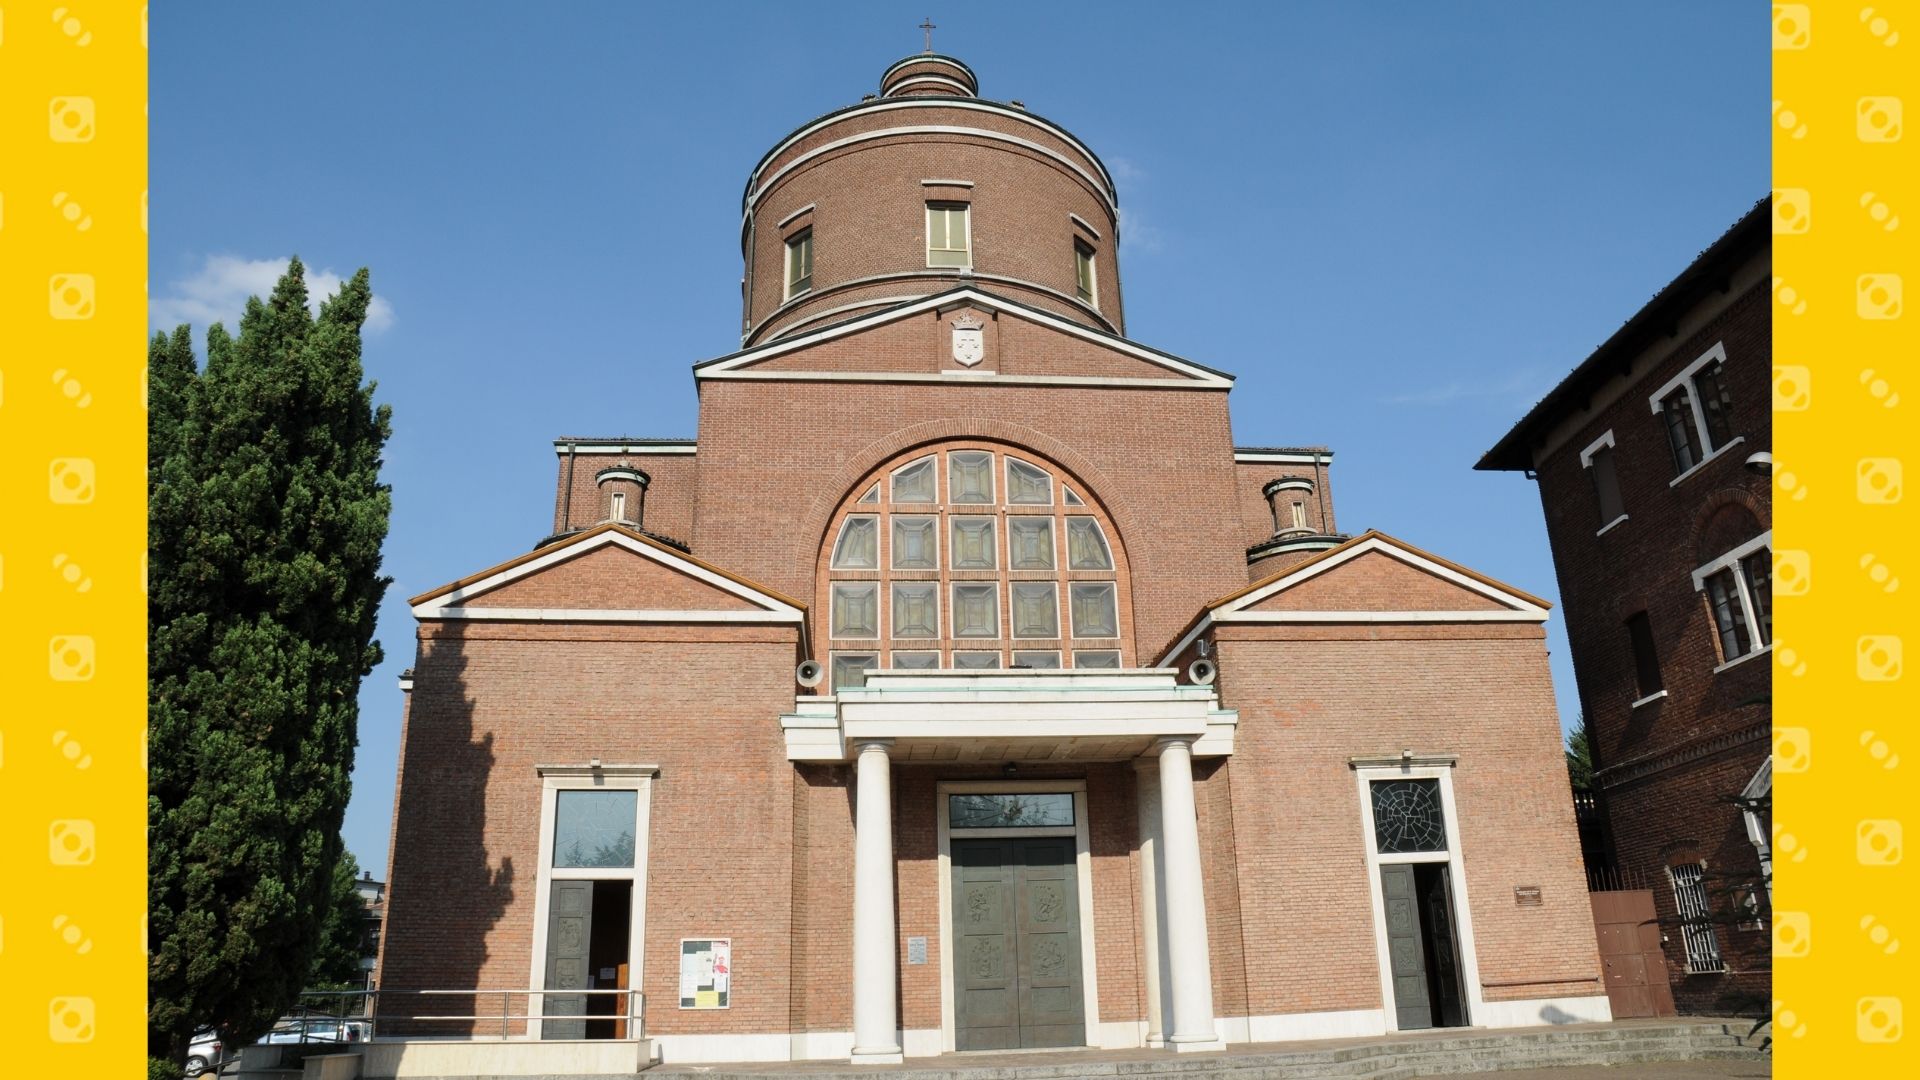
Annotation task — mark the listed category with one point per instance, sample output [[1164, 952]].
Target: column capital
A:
[[885, 746], [1169, 742]]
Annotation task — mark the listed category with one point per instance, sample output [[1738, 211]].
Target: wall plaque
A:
[[916, 950], [1526, 895]]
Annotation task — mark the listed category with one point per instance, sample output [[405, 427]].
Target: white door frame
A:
[[1083, 859], [557, 778], [1364, 776]]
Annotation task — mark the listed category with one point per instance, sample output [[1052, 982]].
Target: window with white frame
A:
[[1696, 409], [799, 263], [949, 235], [1597, 459], [968, 555], [1696, 917], [592, 880], [1738, 587], [1083, 280]]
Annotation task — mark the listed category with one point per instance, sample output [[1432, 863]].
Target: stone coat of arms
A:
[[969, 340]]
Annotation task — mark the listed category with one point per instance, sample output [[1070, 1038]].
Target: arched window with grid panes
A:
[[971, 555]]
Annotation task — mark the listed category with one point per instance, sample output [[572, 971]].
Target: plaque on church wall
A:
[[916, 950], [1526, 895], [706, 968]]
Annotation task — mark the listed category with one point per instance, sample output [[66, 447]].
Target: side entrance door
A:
[[569, 929], [1406, 950], [1016, 938]]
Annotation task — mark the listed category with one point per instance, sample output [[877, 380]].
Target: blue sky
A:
[[1398, 223]]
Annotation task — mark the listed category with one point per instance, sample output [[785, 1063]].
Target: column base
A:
[[1156, 1041], [1187, 1044], [882, 1055]]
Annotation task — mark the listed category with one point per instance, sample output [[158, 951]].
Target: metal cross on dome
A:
[[929, 28]]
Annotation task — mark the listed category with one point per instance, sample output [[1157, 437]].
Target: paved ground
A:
[[1662, 1070]]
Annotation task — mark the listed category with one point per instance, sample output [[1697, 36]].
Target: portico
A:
[[1027, 717]]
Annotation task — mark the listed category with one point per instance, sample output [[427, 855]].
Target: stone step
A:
[[1386, 1059]]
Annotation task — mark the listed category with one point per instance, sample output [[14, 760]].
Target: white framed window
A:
[[1696, 410], [1083, 273], [916, 542], [970, 476], [1299, 515], [1036, 658], [1409, 816], [617, 511], [856, 609], [850, 669], [1739, 591], [1096, 658], [1028, 485], [914, 661], [1095, 611], [1690, 898], [1035, 608], [973, 545], [858, 546], [1597, 459], [799, 262], [949, 234], [916, 610], [1030, 542], [976, 661], [593, 857], [976, 609], [913, 482]]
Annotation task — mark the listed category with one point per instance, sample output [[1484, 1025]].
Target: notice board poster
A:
[[706, 970]]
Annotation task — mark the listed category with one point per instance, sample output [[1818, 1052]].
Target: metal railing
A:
[[374, 1010]]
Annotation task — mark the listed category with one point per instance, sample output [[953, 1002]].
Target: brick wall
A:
[[1645, 564], [1309, 697], [492, 701]]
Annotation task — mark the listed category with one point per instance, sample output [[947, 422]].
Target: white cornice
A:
[[449, 604], [561, 447], [760, 190], [884, 104], [730, 367]]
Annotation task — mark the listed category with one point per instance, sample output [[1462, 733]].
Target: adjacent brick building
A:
[[1654, 463], [961, 685]]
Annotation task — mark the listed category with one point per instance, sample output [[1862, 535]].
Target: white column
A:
[[876, 987], [1192, 1026], [1153, 908]]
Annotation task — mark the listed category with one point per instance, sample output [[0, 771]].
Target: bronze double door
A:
[[1016, 944]]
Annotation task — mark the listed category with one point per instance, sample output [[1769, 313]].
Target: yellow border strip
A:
[[1847, 564], [73, 254]]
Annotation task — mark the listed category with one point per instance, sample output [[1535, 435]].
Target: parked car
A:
[[315, 1029], [204, 1052]]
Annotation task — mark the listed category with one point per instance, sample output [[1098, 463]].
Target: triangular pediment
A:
[[1372, 578], [964, 335], [607, 574], [1376, 578]]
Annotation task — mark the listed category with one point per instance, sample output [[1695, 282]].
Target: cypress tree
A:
[[264, 579]]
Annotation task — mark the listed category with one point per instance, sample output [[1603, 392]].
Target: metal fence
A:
[[372, 1014]]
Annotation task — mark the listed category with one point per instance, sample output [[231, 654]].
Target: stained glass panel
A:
[[1407, 816], [1030, 543], [1028, 484], [970, 476], [914, 483], [973, 544], [859, 544]]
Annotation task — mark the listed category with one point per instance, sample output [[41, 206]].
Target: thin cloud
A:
[[218, 292], [1514, 388]]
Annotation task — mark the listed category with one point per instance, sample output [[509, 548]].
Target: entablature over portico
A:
[[1019, 715]]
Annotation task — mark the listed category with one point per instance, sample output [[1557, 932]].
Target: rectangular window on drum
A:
[[948, 235], [1083, 272], [800, 263]]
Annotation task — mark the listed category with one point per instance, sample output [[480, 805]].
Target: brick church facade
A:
[[963, 686]]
